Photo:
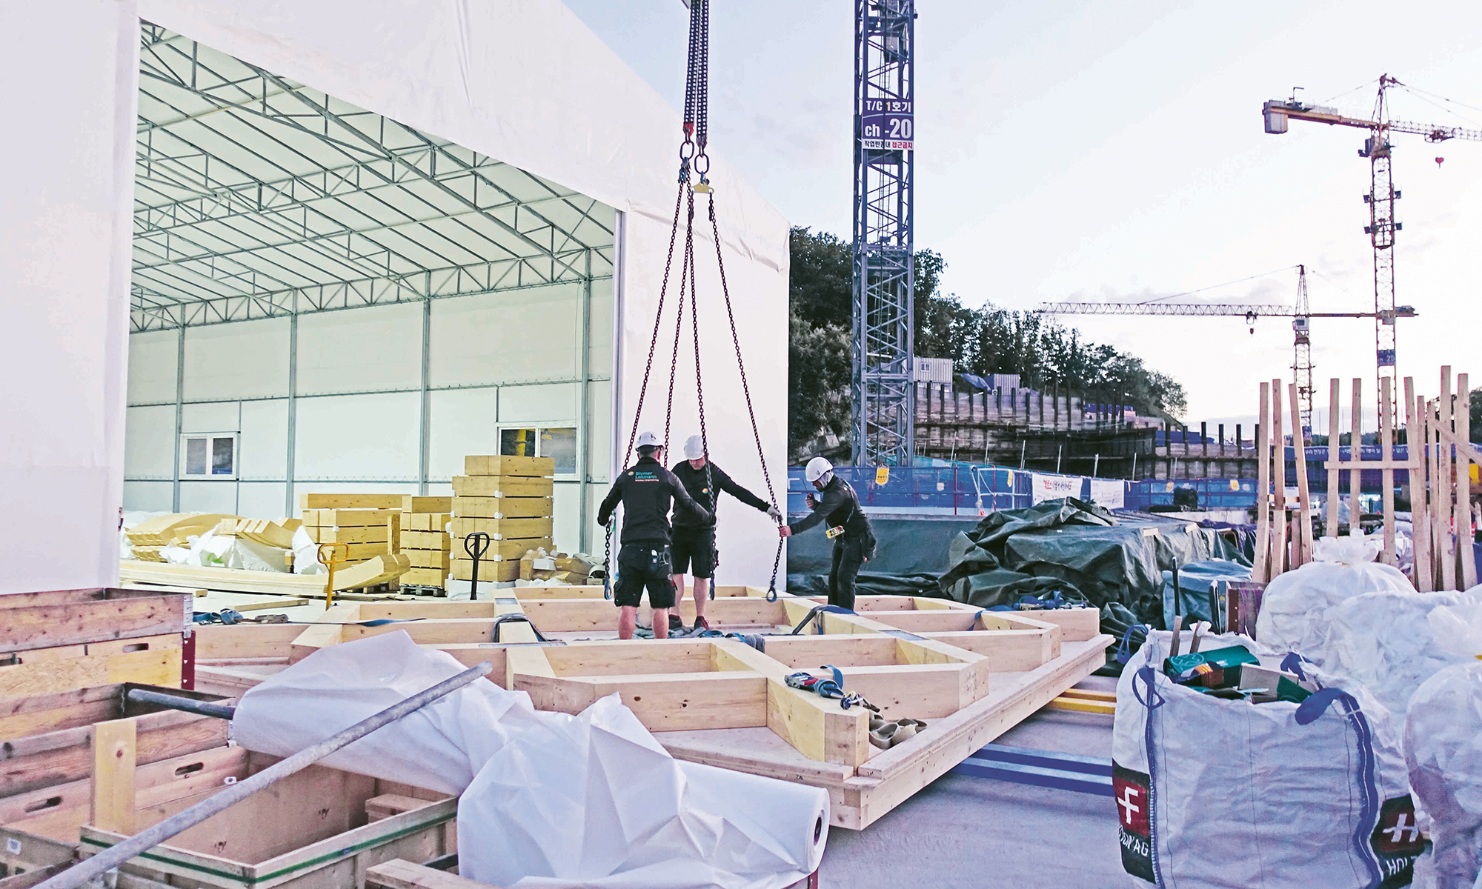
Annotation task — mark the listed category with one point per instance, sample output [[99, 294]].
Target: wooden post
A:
[[1446, 486], [1304, 493], [1355, 480], [1261, 572], [1466, 570], [113, 775], [1330, 527], [1420, 525], [1387, 474], [1278, 485]]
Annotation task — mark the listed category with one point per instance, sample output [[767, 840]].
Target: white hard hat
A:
[[694, 448], [648, 440], [817, 468]]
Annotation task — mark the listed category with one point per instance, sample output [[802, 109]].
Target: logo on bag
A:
[[1130, 794], [1397, 841]]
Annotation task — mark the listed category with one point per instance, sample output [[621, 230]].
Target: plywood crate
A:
[[505, 529], [427, 521], [504, 550], [428, 558], [426, 504], [503, 507], [501, 486], [437, 577], [351, 501], [425, 540], [489, 571], [530, 467]]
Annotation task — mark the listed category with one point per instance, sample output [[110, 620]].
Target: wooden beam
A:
[[113, 775], [1261, 572], [1466, 570], [1421, 570], [399, 874], [1303, 542], [1279, 553], [1330, 526], [1355, 442], [1444, 485], [1387, 474], [816, 727]]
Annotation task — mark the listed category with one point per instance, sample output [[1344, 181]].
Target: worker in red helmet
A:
[[854, 540]]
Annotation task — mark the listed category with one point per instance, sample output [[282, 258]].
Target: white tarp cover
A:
[[522, 81], [1443, 748], [549, 800]]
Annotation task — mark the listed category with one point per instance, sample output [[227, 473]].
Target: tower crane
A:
[[1381, 197], [1301, 328]]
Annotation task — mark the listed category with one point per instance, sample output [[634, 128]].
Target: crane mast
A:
[[1302, 353], [883, 419]]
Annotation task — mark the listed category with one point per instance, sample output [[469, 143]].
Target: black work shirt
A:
[[839, 506], [647, 490], [694, 483]]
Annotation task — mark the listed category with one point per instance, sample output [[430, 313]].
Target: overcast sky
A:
[[1115, 151]]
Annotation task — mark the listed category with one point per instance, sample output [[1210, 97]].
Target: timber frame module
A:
[[970, 674]]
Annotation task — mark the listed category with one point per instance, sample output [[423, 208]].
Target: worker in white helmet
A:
[[854, 540], [694, 541], [647, 490]]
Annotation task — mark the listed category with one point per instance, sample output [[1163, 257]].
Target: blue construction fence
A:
[[961, 489]]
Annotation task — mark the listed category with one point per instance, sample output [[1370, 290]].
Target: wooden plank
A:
[[504, 550], [1279, 553], [1387, 475], [1261, 572], [379, 570], [489, 572], [427, 540], [42, 620], [113, 775], [427, 521], [504, 507], [1466, 574], [350, 501], [529, 467], [398, 874], [815, 727], [1304, 493], [500, 486], [367, 534], [1330, 524], [505, 529], [1444, 485], [1420, 525], [1355, 442], [426, 505], [1008, 651], [244, 641]]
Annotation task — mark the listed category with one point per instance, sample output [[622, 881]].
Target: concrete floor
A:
[[976, 832]]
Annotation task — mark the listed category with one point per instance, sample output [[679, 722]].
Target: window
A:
[[558, 442], [212, 455]]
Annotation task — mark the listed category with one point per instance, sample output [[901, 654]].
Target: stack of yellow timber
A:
[[149, 537], [508, 498], [425, 541], [369, 525], [279, 534]]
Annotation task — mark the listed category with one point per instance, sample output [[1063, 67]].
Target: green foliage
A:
[[982, 341]]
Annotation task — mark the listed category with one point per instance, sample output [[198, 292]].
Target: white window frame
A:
[[210, 438], [539, 450]]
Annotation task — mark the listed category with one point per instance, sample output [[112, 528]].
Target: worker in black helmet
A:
[[646, 489], [854, 540], [694, 541]]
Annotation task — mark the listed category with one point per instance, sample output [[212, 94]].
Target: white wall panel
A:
[[599, 431], [208, 497], [600, 348], [360, 350], [461, 422], [149, 442], [262, 500], [263, 449], [505, 337], [216, 416], [371, 437], [247, 359], [311, 487], [149, 496], [566, 507], [550, 402], [152, 359]]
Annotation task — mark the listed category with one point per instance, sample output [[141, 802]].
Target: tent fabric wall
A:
[[64, 273]]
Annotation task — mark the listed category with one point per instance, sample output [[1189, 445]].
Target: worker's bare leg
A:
[[679, 590], [702, 595], [628, 621], [661, 623]]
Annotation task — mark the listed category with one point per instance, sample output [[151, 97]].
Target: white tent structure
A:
[[261, 191]]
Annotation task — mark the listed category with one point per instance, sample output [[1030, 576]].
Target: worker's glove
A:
[[774, 515], [603, 520]]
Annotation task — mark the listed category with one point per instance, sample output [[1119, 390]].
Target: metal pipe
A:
[[175, 702], [121, 852]]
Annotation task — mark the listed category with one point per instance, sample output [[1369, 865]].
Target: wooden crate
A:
[[76, 617], [348, 518], [500, 486], [368, 534], [505, 529], [427, 521], [503, 507], [426, 558], [533, 467], [426, 504], [425, 540], [504, 550], [496, 572], [436, 576], [351, 501]]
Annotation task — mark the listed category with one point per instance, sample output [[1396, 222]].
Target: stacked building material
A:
[[425, 541], [369, 525], [508, 498], [149, 537]]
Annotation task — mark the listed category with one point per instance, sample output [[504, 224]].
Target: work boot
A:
[[701, 625], [676, 625]]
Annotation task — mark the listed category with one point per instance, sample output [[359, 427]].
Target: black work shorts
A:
[[644, 566], [694, 552]]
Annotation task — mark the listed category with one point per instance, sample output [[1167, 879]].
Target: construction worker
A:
[[646, 490], [694, 541], [854, 541]]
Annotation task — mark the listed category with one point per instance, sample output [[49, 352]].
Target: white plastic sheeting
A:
[[549, 800], [1443, 748], [1295, 606], [70, 75]]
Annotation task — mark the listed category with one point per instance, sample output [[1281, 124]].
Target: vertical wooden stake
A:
[[1261, 572], [1355, 450], [1420, 524], [1387, 475], [1466, 569], [1279, 562], [1445, 465], [1304, 494], [1330, 527], [113, 776]]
